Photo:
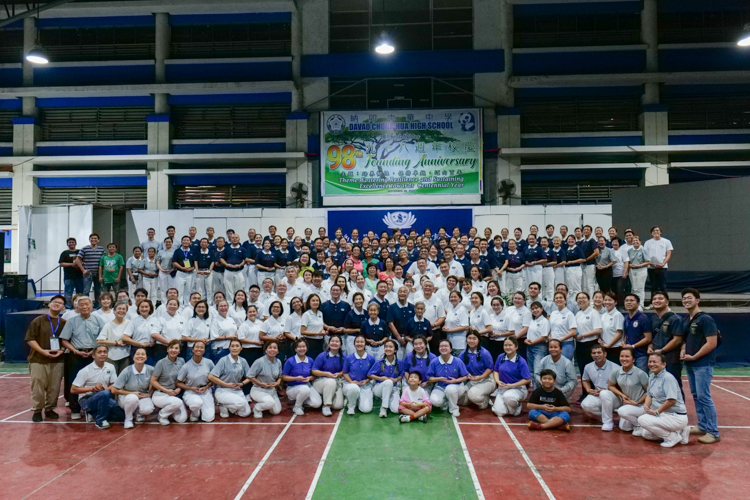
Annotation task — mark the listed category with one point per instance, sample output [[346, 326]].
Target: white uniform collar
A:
[[364, 356], [440, 358]]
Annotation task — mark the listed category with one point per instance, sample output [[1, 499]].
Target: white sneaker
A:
[[163, 421], [102, 425], [383, 413], [257, 414], [608, 427], [327, 411], [423, 418], [140, 418], [128, 423], [194, 417], [518, 411], [669, 443], [350, 411], [248, 398], [75, 416], [67, 403], [404, 419], [685, 435], [456, 413], [638, 431], [298, 411], [483, 406], [223, 412]]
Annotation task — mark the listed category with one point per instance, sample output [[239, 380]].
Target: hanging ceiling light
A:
[[36, 55], [745, 40], [384, 45]]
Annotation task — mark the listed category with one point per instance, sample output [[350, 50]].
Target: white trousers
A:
[[667, 426], [170, 406], [501, 280], [217, 285], [233, 281], [233, 400], [559, 275], [358, 396], [165, 283], [588, 279], [304, 394], [250, 275], [548, 283], [189, 286], [592, 405], [133, 286], [442, 396], [130, 403], [629, 416], [151, 285], [609, 402], [265, 400], [332, 393], [388, 394], [348, 344], [573, 276], [638, 282], [535, 273], [204, 285], [514, 282], [375, 352], [508, 401], [201, 404], [262, 275], [478, 392], [181, 282]]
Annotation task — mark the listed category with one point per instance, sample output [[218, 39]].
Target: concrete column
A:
[[314, 39], [24, 192], [162, 49], [29, 40], [650, 37], [508, 136], [654, 122], [506, 36], [158, 186], [296, 141]]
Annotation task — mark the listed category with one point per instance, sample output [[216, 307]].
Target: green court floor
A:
[[379, 458]]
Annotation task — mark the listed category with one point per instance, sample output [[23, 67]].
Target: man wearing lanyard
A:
[[184, 261], [46, 360], [79, 338], [204, 263]]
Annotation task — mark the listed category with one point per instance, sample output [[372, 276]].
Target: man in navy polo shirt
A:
[[699, 355], [637, 331], [591, 250], [484, 268], [233, 258], [183, 260], [204, 263], [399, 314], [335, 311]]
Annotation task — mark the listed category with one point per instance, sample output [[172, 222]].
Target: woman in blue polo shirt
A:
[[478, 361], [419, 360], [265, 262], [298, 376], [375, 331], [358, 387], [387, 374], [448, 374], [512, 376], [574, 256], [328, 370], [513, 273]]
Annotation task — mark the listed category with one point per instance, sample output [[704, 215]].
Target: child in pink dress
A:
[[415, 403]]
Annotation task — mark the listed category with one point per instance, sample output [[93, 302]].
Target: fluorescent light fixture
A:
[[384, 45], [37, 56], [745, 40]]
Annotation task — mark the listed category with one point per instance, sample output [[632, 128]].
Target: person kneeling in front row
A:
[[666, 416], [94, 383], [548, 408], [132, 388]]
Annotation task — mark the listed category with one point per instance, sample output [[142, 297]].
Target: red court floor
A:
[[278, 457]]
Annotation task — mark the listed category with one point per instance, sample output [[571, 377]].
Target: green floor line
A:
[[382, 459]]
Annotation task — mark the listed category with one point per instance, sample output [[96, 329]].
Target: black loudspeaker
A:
[[14, 286]]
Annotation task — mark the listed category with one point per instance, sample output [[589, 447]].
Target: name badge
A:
[[54, 344], [186, 263]]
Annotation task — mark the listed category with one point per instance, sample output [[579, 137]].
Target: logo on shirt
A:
[[635, 323], [399, 220]]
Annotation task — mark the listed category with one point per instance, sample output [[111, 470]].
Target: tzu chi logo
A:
[[336, 124], [399, 220]]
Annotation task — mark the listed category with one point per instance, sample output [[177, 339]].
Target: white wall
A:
[[497, 217]]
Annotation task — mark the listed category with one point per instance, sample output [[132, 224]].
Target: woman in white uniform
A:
[[477, 284], [230, 374], [589, 324], [493, 290], [172, 328], [164, 263], [518, 319], [111, 336], [612, 328], [132, 389], [193, 379], [106, 312], [249, 334], [265, 375], [223, 330], [479, 319], [139, 330], [456, 324], [198, 328], [478, 362], [150, 274], [297, 373], [272, 329], [536, 337], [238, 309], [166, 392], [312, 327], [639, 261], [563, 326], [292, 327], [499, 327]]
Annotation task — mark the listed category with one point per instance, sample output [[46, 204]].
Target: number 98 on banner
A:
[[345, 157]]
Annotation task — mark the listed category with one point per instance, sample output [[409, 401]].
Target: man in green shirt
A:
[[110, 269]]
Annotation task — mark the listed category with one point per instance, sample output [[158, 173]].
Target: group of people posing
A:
[[332, 338]]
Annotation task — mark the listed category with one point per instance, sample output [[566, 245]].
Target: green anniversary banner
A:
[[401, 152]]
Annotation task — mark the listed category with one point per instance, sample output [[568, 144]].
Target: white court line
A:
[[733, 381], [528, 461], [76, 422], [586, 425], [474, 478], [322, 462], [731, 392], [8, 376], [22, 412], [76, 465], [263, 460]]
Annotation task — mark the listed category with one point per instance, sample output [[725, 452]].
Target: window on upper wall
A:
[[702, 27], [356, 25], [227, 121], [98, 44], [579, 115], [706, 113], [401, 93], [232, 40], [6, 123], [11, 45], [108, 123], [576, 30]]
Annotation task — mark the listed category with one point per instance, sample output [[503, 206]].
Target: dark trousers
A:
[[250, 354], [315, 347], [658, 280], [619, 286], [583, 357], [676, 370], [437, 336], [102, 406], [496, 349], [613, 354], [604, 279], [73, 365]]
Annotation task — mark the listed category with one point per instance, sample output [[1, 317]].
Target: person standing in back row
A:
[[88, 263], [659, 251]]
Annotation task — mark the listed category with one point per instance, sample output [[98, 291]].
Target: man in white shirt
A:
[[660, 251], [434, 312], [442, 277], [93, 385], [295, 288], [317, 288], [454, 268], [595, 379], [254, 300], [422, 270], [282, 296]]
